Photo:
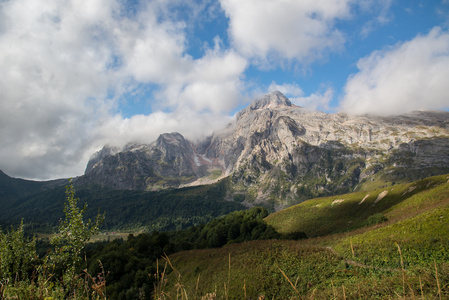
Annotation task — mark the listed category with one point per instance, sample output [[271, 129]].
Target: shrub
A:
[[17, 255], [374, 219], [24, 276]]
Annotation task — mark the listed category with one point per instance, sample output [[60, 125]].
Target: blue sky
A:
[[78, 75]]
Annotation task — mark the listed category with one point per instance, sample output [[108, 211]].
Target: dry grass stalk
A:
[[352, 249], [333, 289], [420, 286], [411, 291], [244, 288], [98, 283], [438, 281], [225, 290], [209, 296], [229, 275], [197, 284], [403, 271], [288, 279]]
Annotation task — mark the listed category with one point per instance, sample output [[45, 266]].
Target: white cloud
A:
[[146, 128], [288, 89], [151, 51], [65, 63], [316, 101], [412, 75], [212, 83], [53, 73], [271, 31]]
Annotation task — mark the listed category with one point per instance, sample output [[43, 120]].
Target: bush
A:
[[17, 255], [374, 219], [24, 276], [299, 235]]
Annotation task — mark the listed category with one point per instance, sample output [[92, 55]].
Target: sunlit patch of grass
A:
[[299, 270], [323, 216], [355, 257]]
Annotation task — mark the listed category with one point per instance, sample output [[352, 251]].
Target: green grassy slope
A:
[[323, 216], [404, 257]]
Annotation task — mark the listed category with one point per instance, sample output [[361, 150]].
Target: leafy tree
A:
[[73, 235], [24, 276], [17, 255]]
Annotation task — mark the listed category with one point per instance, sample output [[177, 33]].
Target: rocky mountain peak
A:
[[174, 139], [99, 155], [280, 154], [274, 99]]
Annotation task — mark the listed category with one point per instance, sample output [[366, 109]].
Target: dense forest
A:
[[125, 210]]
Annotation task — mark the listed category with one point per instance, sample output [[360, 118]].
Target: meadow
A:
[[390, 243]]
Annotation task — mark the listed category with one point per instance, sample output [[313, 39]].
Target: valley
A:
[[353, 255], [283, 203], [390, 242]]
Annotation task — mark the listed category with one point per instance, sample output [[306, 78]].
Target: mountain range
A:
[[278, 154], [273, 154]]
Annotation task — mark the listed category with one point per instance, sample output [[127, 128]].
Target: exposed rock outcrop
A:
[[279, 154]]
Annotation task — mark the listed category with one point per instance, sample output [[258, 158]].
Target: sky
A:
[[77, 75]]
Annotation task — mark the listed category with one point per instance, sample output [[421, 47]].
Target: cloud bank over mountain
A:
[[408, 76], [78, 75]]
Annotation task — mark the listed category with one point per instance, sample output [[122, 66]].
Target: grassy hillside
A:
[[323, 216], [395, 246]]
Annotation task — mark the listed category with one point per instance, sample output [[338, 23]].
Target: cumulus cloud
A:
[[67, 64], [272, 31], [51, 62], [315, 101], [146, 128], [67, 67], [211, 83], [409, 76]]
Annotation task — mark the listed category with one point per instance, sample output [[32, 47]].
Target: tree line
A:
[[71, 268]]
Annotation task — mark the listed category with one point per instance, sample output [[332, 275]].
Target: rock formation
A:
[[278, 154]]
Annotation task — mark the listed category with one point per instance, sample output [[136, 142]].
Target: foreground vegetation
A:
[[395, 246], [23, 275], [129, 263], [391, 243], [70, 268]]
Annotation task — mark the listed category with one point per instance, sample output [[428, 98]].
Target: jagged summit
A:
[[280, 154], [106, 151], [270, 100], [174, 138]]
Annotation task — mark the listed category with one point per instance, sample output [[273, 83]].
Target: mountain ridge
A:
[[279, 154]]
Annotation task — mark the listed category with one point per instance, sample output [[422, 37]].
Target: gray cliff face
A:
[[279, 154], [165, 163], [99, 156]]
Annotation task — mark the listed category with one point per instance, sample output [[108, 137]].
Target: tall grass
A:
[[405, 257], [281, 278]]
